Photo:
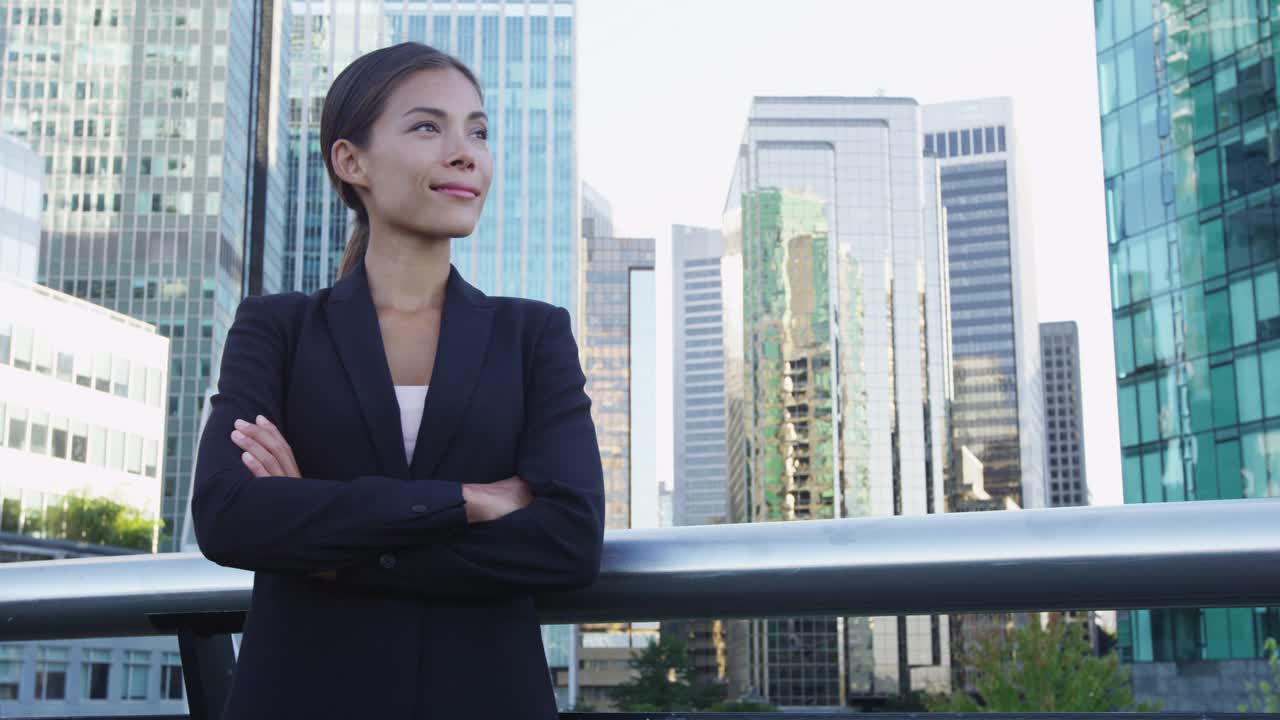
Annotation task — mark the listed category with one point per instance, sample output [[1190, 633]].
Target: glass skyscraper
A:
[[1189, 138], [840, 392], [526, 243], [146, 116], [701, 471], [997, 412]]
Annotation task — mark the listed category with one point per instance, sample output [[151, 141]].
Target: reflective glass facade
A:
[[612, 267], [143, 116], [997, 413], [21, 180], [843, 379], [1189, 127], [699, 426], [526, 243]]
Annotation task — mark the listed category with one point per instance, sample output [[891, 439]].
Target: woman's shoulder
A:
[[284, 310]]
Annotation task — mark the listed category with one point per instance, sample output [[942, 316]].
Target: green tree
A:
[[102, 521], [664, 682], [1043, 669], [1264, 695]]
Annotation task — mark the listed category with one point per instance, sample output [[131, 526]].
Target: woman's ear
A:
[[348, 164]]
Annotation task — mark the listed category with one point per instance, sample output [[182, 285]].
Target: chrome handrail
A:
[[1195, 554]]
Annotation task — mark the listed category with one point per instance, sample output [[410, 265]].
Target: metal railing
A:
[[1202, 554]]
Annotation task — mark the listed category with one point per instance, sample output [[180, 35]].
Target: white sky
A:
[[665, 86]]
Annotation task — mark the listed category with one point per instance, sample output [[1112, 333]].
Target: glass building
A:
[[1189, 125], [1064, 414], [526, 243], [839, 389], [616, 270], [701, 470], [146, 117], [21, 178], [997, 412]]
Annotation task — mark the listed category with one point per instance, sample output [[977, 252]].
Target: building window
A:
[[137, 668], [171, 677], [10, 671], [51, 673], [96, 672]]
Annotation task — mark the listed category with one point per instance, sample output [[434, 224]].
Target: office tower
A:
[[526, 242], [699, 403], [157, 126], [1064, 414], [1188, 115], [834, 218], [616, 268], [20, 190], [995, 350]]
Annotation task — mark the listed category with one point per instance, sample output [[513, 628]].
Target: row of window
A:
[[172, 203], [25, 349], [41, 433], [52, 674], [971, 141]]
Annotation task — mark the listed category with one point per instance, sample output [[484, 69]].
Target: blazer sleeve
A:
[[554, 543], [294, 525]]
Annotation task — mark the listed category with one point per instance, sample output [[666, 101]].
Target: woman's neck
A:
[[407, 274]]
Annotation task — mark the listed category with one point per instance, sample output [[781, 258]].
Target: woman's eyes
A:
[[479, 133]]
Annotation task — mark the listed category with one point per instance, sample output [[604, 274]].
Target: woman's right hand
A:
[[490, 501]]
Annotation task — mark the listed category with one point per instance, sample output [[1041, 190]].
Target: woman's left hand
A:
[[266, 453]]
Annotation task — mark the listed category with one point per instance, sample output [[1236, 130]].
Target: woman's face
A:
[[427, 167]]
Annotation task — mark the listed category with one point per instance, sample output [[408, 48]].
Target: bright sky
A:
[[665, 85]]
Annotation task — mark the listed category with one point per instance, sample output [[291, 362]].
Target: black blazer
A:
[[429, 617]]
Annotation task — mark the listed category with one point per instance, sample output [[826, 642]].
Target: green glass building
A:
[[1191, 145]]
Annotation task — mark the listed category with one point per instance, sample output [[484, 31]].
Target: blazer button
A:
[[387, 561], [419, 508]]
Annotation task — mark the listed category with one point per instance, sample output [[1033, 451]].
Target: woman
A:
[[402, 460]]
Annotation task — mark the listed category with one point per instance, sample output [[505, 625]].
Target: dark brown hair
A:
[[355, 100]]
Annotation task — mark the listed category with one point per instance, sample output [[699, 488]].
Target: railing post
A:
[[208, 657]]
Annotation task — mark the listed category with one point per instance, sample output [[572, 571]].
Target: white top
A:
[[411, 399]]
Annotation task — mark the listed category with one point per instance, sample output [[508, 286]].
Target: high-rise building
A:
[[1063, 414], [1189, 115], [526, 243], [21, 177], [698, 425], [996, 412], [834, 217], [616, 268], [157, 128]]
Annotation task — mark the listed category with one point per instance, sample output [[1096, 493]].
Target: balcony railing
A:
[[1202, 554]]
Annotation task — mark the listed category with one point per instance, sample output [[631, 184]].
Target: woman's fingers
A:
[[250, 439], [279, 446]]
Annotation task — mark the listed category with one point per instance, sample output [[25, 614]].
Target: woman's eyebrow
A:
[[437, 112]]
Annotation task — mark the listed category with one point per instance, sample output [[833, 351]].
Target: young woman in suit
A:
[[403, 461]]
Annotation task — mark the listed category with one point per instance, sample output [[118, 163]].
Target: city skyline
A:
[[660, 137]]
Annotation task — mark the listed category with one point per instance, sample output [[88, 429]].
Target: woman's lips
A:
[[458, 191]]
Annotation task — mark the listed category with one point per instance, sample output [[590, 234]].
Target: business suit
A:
[[429, 617]]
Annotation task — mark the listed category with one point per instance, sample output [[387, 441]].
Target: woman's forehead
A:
[[444, 89]]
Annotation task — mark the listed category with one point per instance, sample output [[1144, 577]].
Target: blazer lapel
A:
[[353, 323], [465, 326]]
